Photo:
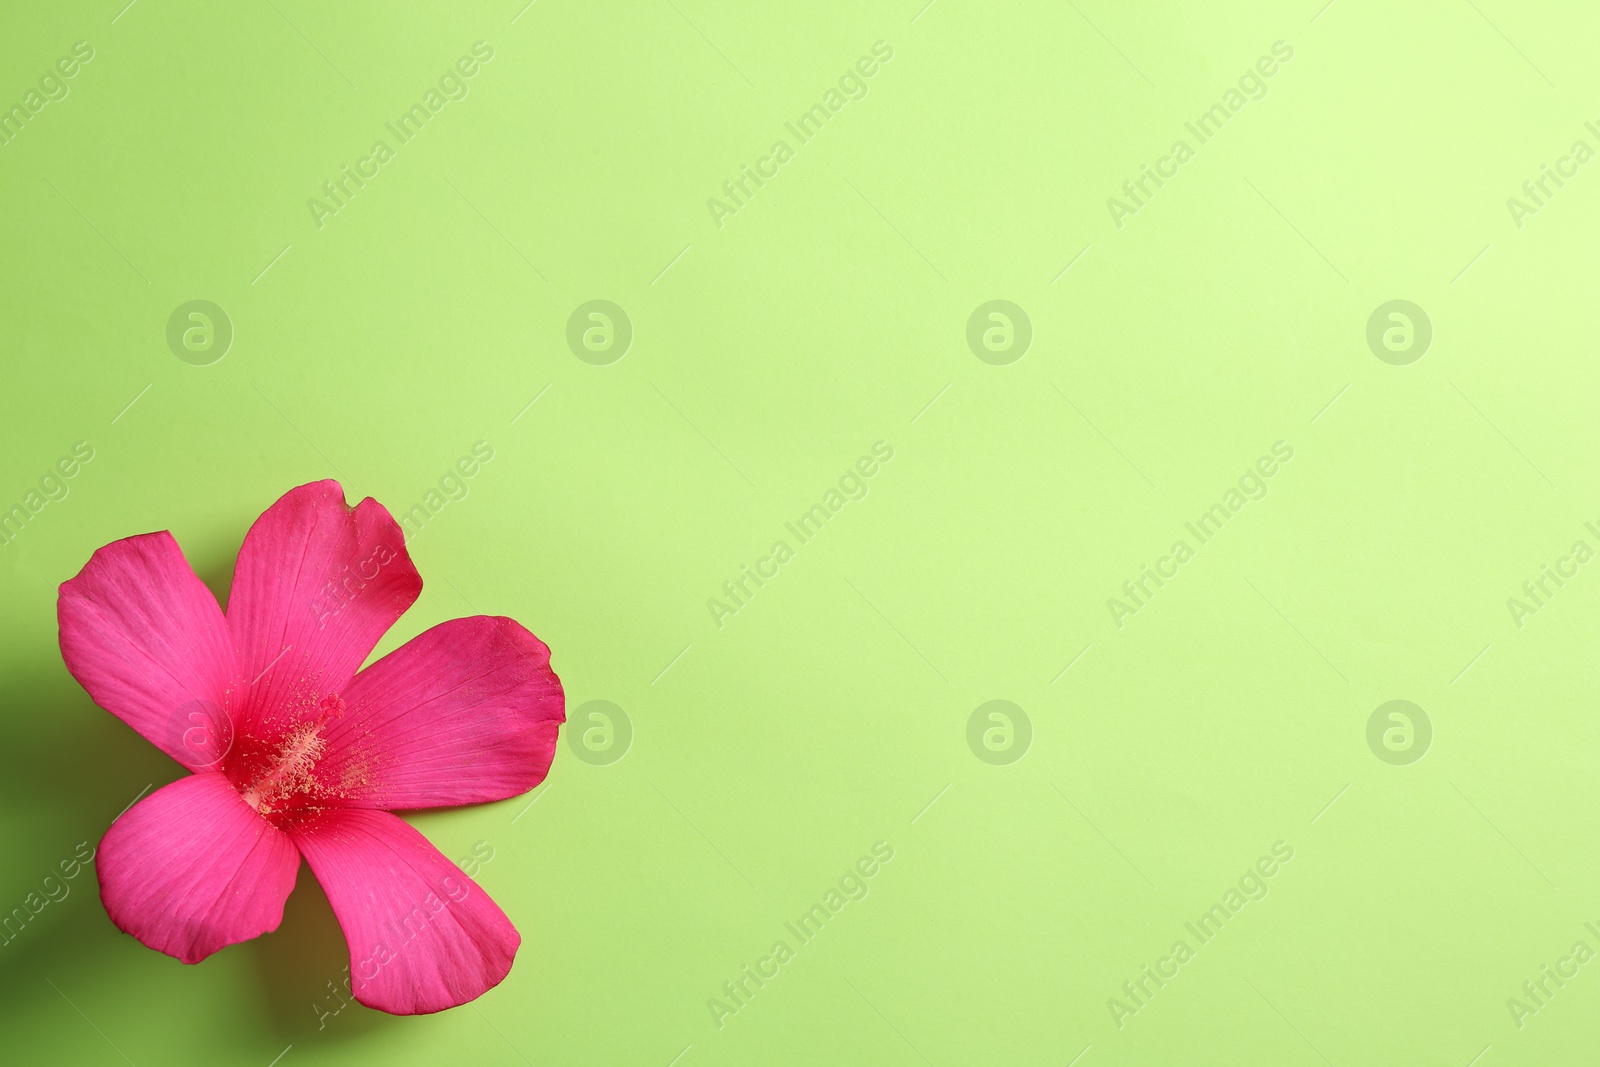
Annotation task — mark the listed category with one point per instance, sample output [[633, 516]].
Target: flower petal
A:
[[147, 640], [464, 713], [423, 936], [191, 869], [317, 584]]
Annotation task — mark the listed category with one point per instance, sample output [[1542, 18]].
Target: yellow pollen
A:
[[291, 769]]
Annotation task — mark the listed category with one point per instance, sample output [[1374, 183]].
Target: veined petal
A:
[[192, 868], [423, 936], [317, 584], [464, 713], [145, 637]]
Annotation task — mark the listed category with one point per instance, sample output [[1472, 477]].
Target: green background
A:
[[832, 711]]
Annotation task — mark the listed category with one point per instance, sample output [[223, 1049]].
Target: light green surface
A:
[[1229, 313]]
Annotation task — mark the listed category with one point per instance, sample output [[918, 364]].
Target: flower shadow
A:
[[67, 771], [304, 967]]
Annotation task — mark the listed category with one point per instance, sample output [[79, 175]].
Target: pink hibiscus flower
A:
[[293, 753]]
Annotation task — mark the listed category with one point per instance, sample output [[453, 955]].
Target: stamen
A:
[[293, 762]]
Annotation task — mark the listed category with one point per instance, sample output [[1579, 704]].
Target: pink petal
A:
[[423, 936], [465, 713], [191, 869], [316, 585], [147, 640]]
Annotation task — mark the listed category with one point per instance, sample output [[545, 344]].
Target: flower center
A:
[[282, 773]]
